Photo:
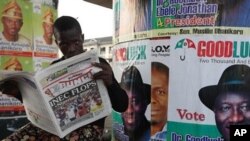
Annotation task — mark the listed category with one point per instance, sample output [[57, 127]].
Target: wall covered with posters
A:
[[26, 34], [26, 44], [185, 65]]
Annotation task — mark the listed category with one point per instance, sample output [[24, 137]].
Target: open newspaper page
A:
[[72, 97], [36, 110]]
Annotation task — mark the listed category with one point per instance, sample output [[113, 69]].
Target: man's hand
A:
[[105, 74]]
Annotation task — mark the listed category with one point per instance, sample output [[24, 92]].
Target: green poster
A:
[[16, 35], [45, 48]]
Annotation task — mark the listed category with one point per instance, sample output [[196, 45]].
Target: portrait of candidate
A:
[[47, 24], [136, 125], [229, 99], [159, 100], [12, 20]]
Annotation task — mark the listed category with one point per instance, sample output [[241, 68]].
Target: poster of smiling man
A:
[[45, 48], [16, 35]]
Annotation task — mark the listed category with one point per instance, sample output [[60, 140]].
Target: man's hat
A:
[[12, 10], [235, 78], [48, 17], [131, 79]]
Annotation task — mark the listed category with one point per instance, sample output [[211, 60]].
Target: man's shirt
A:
[[161, 135]]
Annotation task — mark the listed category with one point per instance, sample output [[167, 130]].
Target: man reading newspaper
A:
[[69, 38]]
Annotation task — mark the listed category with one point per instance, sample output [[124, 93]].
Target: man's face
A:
[[11, 26], [159, 97], [70, 43], [48, 29], [231, 108], [134, 114]]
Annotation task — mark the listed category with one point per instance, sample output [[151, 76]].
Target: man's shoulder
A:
[[159, 136]]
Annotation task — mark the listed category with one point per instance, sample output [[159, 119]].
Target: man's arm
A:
[[118, 96]]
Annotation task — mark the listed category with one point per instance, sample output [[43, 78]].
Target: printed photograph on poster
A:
[[159, 100], [135, 124], [130, 61], [229, 99], [160, 74], [45, 48], [46, 23], [18, 38]]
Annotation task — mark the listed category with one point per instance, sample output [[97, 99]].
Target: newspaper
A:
[[63, 97]]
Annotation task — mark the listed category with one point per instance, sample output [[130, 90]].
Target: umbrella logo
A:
[[184, 44]]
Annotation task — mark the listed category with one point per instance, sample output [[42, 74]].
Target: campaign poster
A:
[[204, 70], [132, 19], [45, 48], [12, 115], [204, 45], [204, 73], [131, 71], [171, 14], [160, 67], [16, 34], [174, 17]]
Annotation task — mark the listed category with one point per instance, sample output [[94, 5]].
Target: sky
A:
[[96, 21]]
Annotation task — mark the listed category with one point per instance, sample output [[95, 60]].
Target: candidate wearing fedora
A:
[[136, 125], [12, 20], [229, 99]]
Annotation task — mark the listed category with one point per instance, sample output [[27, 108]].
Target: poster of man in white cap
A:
[[12, 19], [16, 35], [45, 48]]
